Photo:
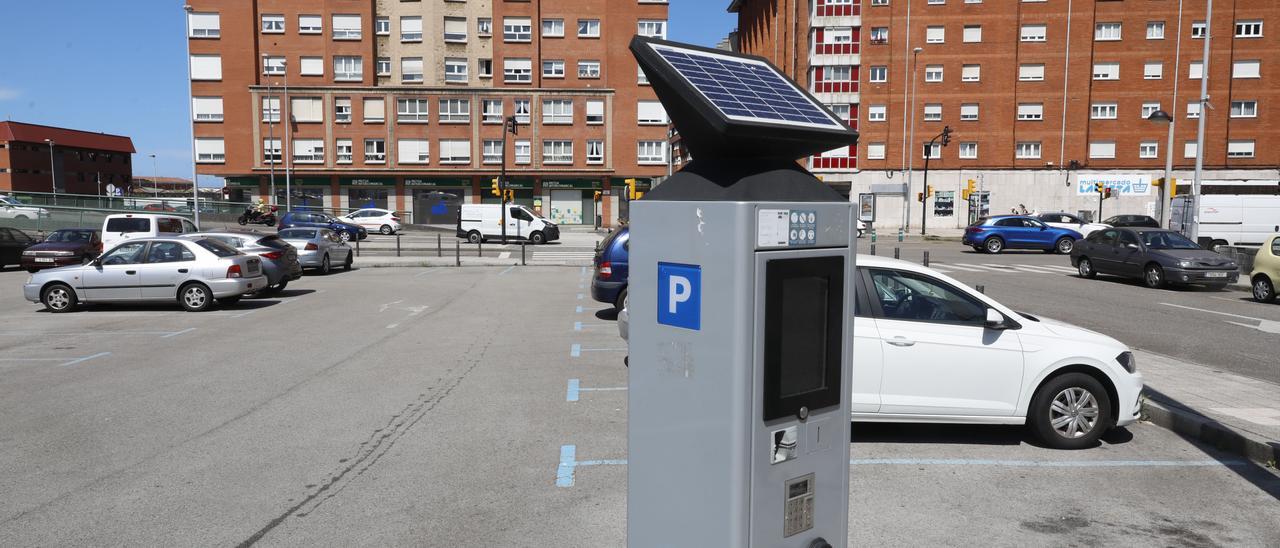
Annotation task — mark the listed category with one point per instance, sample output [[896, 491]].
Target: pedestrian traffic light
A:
[[639, 195], [508, 195], [494, 189], [1106, 193], [631, 188]]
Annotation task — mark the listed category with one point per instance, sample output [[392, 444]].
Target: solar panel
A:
[[746, 89]]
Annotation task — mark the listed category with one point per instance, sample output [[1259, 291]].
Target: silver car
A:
[[279, 259], [319, 248], [195, 272]]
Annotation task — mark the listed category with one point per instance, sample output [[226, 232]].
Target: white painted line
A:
[[504, 255], [979, 267], [1032, 270], [964, 268], [1214, 312], [942, 270], [393, 326], [86, 358], [387, 306], [1056, 267], [176, 333], [999, 267], [425, 272], [81, 334], [1264, 325]]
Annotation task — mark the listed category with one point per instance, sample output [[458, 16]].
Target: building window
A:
[[273, 65], [455, 110], [875, 151], [1148, 149], [1031, 72], [346, 27], [484, 26], [310, 24], [837, 73], [491, 111], [204, 25], [595, 151], [517, 29], [455, 31], [491, 152], [588, 69], [933, 73], [553, 28], [308, 151], [1193, 109], [208, 109], [1103, 111], [455, 70], [271, 151], [879, 74], [342, 110], [651, 152], [306, 109], [1246, 69], [557, 111], [1197, 29], [1103, 32], [1106, 71], [375, 110], [412, 110], [971, 73], [271, 109], [411, 29], [1155, 30], [382, 26], [935, 35], [383, 65], [968, 150], [311, 66], [1189, 149], [343, 148], [1102, 150], [1153, 70], [1033, 33], [522, 149], [1249, 29], [348, 69], [588, 28], [595, 111], [1195, 70], [972, 33], [521, 108], [933, 112], [553, 68], [651, 113], [411, 70], [1240, 149], [879, 35], [1148, 109], [931, 151], [272, 24], [969, 111], [455, 151], [517, 71], [1027, 150], [652, 28], [841, 111], [877, 113], [484, 68], [1244, 109], [375, 151], [413, 151], [557, 151]]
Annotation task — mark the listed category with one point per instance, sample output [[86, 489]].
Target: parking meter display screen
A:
[[804, 334]]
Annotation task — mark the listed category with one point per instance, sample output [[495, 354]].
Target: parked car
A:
[[196, 272], [1266, 270], [1132, 221], [1157, 256], [63, 247], [319, 248], [997, 233], [279, 259], [479, 222], [373, 219], [11, 208], [159, 207], [1070, 222], [309, 219], [126, 226], [13, 242], [609, 283]]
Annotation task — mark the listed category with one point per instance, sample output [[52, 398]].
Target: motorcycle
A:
[[252, 215]]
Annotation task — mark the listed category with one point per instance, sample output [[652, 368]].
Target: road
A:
[[433, 407]]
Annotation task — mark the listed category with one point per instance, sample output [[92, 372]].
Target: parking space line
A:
[[504, 272], [425, 272], [81, 334], [575, 388], [176, 333], [579, 296], [976, 267], [86, 358], [578, 310], [504, 255], [571, 394], [1213, 312], [578, 326], [1031, 269], [575, 350], [568, 462]]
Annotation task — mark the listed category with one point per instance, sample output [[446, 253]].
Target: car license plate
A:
[[44, 259], [1215, 275]]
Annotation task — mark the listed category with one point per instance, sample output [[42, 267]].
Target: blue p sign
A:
[[680, 295]]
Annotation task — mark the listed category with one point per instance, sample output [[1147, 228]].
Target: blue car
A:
[[998, 233], [609, 283], [311, 219]]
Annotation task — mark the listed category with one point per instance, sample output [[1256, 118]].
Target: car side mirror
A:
[[1131, 246], [97, 261], [999, 322]]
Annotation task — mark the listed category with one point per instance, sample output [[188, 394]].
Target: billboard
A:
[[1121, 184]]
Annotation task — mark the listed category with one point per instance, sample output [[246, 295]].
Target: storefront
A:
[[366, 192], [309, 193], [436, 200], [571, 201], [242, 189], [523, 187]]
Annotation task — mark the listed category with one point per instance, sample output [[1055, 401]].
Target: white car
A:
[[1070, 222], [11, 208], [927, 348], [374, 220]]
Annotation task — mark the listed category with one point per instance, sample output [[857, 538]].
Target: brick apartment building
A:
[[400, 103], [1044, 97], [83, 162]]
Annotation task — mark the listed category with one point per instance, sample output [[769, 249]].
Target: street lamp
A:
[[53, 177], [911, 139], [1193, 231], [191, 119], [155, 177], [288, 121]]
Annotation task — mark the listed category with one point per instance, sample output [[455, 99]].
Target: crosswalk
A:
[[562, 257], [987, 268]]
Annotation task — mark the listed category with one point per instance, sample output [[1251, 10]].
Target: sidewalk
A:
[[383, 261], [1228, 411]]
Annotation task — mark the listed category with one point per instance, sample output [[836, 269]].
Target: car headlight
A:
[[1128, 361], [1185, 264], [64, 253], [28, 254]]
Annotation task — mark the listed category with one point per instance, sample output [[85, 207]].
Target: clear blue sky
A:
[[119, 67]]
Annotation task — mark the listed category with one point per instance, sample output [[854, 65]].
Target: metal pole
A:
[[191, 119], [926, 258], [397, 244], [924, 190], [911, 159], [288, 160], [1100, 206], [457, 253], [522, 261], [155, 178], [897, 253], [1194, 231], [1166, 192], [502, 178], [480, 247], [357, 236], [439, 246], [53, 176], [271, 137]]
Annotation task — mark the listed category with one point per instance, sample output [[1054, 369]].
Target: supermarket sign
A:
[[1120, 184]]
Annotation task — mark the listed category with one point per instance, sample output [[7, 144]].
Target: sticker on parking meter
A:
[[772, 227], [803, 228], [680, 295]]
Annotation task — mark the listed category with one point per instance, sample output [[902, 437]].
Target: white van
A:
[[125, 226], [479, 222], [1231, 219]]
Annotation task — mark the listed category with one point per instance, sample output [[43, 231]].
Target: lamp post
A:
[[911, 140], [195, 175], [155, 177], [1166, 193], [288, 121], [271, 137], [53, 177]]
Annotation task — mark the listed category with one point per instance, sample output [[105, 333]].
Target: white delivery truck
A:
[[126, 226], [480, 222], [1230, 219]]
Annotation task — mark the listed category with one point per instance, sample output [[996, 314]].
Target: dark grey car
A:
[[1156, 256], [279, 259]]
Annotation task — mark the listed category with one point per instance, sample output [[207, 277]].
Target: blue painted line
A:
[[507, 270], [577, 326], [579, 296], [564, 473], [578, 310], [572, 393], [575, 351]]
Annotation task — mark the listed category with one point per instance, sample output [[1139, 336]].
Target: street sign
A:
[[679, 295]]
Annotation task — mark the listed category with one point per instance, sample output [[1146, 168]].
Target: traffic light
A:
[[920, 197], [929, 192], [1106, 193], [969, 189], [946, 135], [1173, 186], [494, 189], [597, 196], [639, 195], [631, 188], [508, 195], [1097, 187]]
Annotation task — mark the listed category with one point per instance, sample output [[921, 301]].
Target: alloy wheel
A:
[[1085, 268], [194, 297], [1262, 290], [1074, 412], [58, 298]]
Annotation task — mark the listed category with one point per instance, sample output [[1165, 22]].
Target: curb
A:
[[1211, 432]]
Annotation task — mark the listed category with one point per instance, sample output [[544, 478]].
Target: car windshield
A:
[[297, 234], [217, 248], [70, 236], [128, 224], [981, 221], [1166, 240], [273, 242]]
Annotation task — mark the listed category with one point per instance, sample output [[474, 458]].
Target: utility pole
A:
[[945, 136], [1194, 232], [508, 126], [911, 140], [191, 119], [53, 176]]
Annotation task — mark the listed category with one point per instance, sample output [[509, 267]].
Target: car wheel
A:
[[344, 236], [228, 301], [1263, 290], [994, 245], [1070, 411], [350, 260], [537, 238], [1065, 245], [474, 237], [386, 229], [325, 266], [621, 300], [195, 297], [59, 298], [1085, 268], [275, 289], [1153, 276]]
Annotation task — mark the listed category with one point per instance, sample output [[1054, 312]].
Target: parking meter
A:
[[741, 319]]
